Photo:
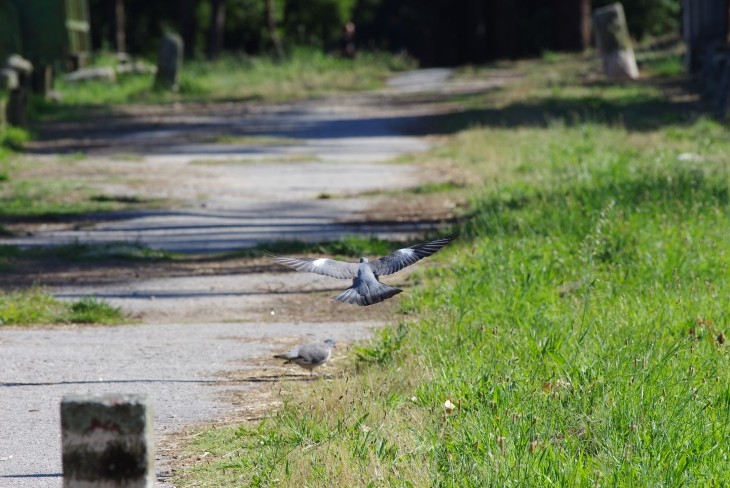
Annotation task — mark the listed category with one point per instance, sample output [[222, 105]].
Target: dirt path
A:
[[240, 174]]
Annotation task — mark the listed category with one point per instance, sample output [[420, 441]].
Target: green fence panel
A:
[[50, 31], [10, 39]]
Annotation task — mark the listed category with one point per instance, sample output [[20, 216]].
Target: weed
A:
[[90, 310], [34, 306]]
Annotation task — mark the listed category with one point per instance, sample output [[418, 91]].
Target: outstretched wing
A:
[[401, 258], [323, 266]]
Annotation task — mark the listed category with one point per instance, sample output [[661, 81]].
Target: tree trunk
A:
[[217, 23], [704, 22], [273, 33], [504, 37], [189, 25], [571, 24], [120, 40], [477, 31]]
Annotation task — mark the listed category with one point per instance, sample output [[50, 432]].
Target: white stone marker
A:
[[612, 38]]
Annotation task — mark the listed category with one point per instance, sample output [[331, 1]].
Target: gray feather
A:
[[401, 258], [326, 267], [364, 294]]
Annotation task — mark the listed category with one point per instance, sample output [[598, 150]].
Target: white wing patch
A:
[[319, 262], [406, 251]]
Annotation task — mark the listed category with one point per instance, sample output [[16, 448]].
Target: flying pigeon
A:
[[309, 355], [366, 288]]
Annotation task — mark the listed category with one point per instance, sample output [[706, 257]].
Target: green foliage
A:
[[563, 330], [30, 307], [316, 22], [385, 347], [34, 306], [649, 17], [13, 138], [31, 199], [14, 258], [664, 66], [90, 310], [352, 246]]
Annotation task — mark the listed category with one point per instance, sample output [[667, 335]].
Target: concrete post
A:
[[614, 43], [169, 62], [17, 108], [107, 441]]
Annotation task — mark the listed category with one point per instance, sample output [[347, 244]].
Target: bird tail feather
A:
[[369, 295]]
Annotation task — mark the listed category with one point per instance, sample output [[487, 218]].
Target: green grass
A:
[[14, 258], [353, 246], [303, 74], [12, 138], [577, 328], [27, 194], [44, 199], [34, 306]]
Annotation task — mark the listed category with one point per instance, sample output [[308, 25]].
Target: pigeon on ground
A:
[[366, 288], [309, 355]]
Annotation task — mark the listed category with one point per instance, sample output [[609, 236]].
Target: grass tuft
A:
[[353, 246], [90, 310], [34, 306]]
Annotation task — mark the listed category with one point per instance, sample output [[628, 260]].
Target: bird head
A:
[[330, 342], [363, 260]]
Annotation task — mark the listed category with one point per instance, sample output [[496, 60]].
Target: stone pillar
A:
[[169, 62], [17, 108], [614, 43], [8, 83], [107, 441]]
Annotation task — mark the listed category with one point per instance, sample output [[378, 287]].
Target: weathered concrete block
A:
[[169, 62], [17, 104], [19, 64], [136, 68], [8, 80], [107, 441], [614, 43]]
